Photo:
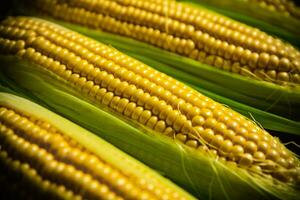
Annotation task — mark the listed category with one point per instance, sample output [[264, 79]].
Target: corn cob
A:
[[210, 38], [50, 161], [147, 97], [278, 18], [287, 7]]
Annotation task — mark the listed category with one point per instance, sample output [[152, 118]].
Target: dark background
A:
[[6, 8]]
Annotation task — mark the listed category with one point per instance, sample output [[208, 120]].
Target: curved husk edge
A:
[[200, 174]]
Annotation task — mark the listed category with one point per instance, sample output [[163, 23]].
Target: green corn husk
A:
[[107, 152], [200, 174], [279, 100], [278, 24]]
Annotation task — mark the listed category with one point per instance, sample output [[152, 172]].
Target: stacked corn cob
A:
[[147, 98], [208, 37], [151, 109]]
